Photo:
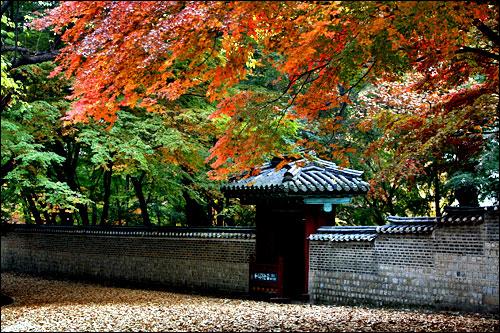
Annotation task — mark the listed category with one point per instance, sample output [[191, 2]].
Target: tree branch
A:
[[283, 112], [5, 5], [487, 31], [484, 53], [295, 79], [360, 79], [35, 59], [8, 48], [5, 100]]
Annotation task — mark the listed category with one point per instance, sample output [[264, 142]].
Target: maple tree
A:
[[136, 53], [416, 164], [145, 170], [406, 91], [431, 137]]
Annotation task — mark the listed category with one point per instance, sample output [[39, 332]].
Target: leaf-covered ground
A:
[[52, 305]]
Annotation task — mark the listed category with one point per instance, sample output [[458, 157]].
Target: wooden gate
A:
[[267, 279]]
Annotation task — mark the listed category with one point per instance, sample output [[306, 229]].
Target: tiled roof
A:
[[407, 225], [410, 220], [342, 237], [403, 225], [460, 219], [413, 228], [344, 234], [186, 232], [300, 177], [472, 215]]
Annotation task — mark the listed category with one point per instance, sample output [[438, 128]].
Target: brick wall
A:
[[182, 261], [451, 267]]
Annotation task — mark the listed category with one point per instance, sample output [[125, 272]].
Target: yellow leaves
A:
[[365, 125], [282, 163], [351, 150], [166, 64], [251, 62], [378, 24]]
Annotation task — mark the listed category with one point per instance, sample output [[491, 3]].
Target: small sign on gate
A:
[[264, 276], [267, 278]]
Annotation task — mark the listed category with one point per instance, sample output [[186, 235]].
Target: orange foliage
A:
[[132, 53]]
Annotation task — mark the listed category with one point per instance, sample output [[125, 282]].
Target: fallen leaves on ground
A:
[[42, 305]]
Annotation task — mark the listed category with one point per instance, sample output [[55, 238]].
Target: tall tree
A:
[[52, 168], [135, 53]]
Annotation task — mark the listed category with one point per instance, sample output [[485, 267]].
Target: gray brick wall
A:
[[191, 263], [454, 267]]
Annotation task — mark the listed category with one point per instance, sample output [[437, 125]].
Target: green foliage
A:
[[62, 166], [9, 85], [235, 214], [485, 178], [37, 87]]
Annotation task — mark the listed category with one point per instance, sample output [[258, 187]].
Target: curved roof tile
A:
[[300, 177], [184, 233], [403, 225]]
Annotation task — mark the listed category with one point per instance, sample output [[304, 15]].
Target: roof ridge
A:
[[302, 177]]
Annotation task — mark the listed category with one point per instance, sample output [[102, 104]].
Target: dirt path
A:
[[50, 305]]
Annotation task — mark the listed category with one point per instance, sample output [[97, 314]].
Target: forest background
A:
[[133, 113]]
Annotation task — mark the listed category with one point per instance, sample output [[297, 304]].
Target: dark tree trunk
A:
[[70, 171], [47, 218], [137, 182], [84, 213], [95, 180], [107, 193], [437, 191], [196, 214], [71, 152], [119, 215], [6, 168], [26, 59], [16, 31], [158, 213], [467, 196], [66, 218], [53, 218], [94, 214], [32, 208], [5, 6]]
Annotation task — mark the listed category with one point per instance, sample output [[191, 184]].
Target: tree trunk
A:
[[32, 208], [66, 218], [158, 213], [53, 218], [71, 151], [119, 215], [137, 182], [95, 182], [5, 6], [70, 171], [107, 193], [47, 217], [196, 214], [467, 196], [6, 168], [94, 214], [437, 191]]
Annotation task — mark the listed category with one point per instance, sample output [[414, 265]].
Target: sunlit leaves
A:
[[129, 54]]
